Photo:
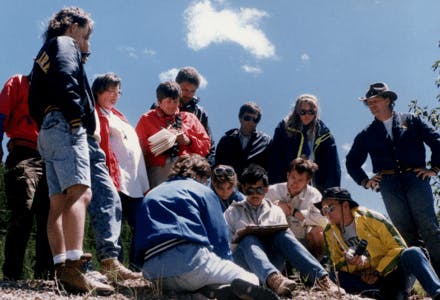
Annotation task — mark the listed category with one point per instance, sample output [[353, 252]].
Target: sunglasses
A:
[[328, 209], [221, 171], [249, 118], [85, 54], [310, 112], [251, 191]]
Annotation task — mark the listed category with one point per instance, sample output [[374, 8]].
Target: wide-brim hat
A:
[[338, 193], [379, 89]]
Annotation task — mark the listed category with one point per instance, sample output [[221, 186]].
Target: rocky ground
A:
[[44, 290]]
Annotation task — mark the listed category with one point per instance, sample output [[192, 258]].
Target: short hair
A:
[[168, 89], [62, 20], [254, 173], [188, 74], [303, 165], [191, 166], [252, 108], [104, 81], [224, 177]]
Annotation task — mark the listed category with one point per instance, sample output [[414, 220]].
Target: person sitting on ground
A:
[[224, 184], [182, 238], [296, 197], [266, 255], [385, 264]]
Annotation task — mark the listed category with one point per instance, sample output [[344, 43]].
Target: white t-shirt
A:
[[125, 144]]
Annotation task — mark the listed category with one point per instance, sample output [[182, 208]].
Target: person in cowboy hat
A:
[[385, 263], [396, 145]]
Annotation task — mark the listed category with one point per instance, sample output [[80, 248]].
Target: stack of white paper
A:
[[161, 141]]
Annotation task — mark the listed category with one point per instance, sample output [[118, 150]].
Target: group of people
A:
[[274, 205]]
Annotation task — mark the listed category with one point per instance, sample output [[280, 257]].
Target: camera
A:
[[360, 250]]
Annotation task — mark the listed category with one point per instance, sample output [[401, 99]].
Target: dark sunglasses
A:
[[328, 209], [85, 54], [251, 191], [249, 118], [310, 112], [221, 171]]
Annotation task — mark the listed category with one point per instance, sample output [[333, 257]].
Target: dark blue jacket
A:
[[59, 82], [229, 150], [181, 209], [406, 150], [284, 149]]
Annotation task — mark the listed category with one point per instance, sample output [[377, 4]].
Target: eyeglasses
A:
[[251, 191], [85, 54], [221, 171], [248, 118], [310, 112], [327, 209]]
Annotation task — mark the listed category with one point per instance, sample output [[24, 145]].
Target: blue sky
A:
[[263, 51]]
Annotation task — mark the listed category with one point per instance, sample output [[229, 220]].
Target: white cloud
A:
[[149, 52], [130, 51], [170, 75], [346, 147], [305, 57], [251, 69], [205, 26], [134, 53]]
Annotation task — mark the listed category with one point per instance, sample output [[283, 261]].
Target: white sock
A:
[[59, 258], [74, 254]]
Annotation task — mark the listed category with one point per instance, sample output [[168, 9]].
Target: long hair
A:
[[62, 20], [292, 121]]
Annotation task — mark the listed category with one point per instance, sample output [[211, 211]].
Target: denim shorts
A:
[[65, 152]]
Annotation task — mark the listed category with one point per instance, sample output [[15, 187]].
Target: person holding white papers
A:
[[265, 255]]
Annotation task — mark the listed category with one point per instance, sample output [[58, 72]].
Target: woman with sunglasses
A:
[[224, 184], [302, 133]]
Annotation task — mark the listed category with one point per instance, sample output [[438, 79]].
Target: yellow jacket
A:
[[384, 243]]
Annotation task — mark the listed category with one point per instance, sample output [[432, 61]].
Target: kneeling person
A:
[[182, 238]]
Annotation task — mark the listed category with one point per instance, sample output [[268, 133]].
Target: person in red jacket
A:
[[190, 135], [25, 185], [123, 153]]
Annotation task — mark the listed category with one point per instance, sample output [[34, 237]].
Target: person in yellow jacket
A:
[[368, 252]]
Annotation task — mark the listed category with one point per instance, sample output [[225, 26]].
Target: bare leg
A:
[[66, 219]]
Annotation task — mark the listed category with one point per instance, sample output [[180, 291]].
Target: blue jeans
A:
[[189, 267], [129, 208], [410, 204], [268, 255], [105, 208], [413, 265]]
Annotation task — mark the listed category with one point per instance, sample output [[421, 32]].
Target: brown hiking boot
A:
[[115, 271], [73, 278], [325, 284], [281, 285]]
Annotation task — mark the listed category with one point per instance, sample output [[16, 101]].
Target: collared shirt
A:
[[303, 202]]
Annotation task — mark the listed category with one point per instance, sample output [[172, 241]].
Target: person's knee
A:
[[80, 193], [411, 254]]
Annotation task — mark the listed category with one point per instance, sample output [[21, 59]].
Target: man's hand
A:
[[369, 276], [373, 183], [424, 173], [285, 206]]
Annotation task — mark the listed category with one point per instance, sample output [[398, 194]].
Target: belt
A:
[[22, 143], [394, 172], [51, 108]]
